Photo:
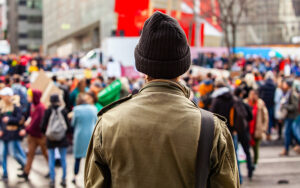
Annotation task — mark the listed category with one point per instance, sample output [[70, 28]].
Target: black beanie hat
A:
[[54, 98], [163, 51]]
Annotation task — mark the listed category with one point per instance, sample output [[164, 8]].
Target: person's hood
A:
[[36, 96], [223, 91]]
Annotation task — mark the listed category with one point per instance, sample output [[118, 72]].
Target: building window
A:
[[22, 17], [35, 34], [22, 47], [34, 19], [23, 35], [22, 2], [34, 4]]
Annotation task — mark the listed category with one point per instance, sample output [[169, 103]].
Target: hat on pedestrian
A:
[[6, 92], [54, 98], [163, 51]]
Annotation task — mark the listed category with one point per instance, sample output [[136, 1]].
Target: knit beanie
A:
[[163, 51], [54, 98]]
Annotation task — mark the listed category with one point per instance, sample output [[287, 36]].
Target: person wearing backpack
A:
[[56, 126], [158, 137], [241, 115], [223, 104]]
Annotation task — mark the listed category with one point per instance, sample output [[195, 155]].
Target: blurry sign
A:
[[114, 69], [296, 40], [4, 47], [65, 26], [130, 72]]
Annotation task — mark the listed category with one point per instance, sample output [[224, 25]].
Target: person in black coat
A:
[[241, 122], [52, 145], [267, 94]]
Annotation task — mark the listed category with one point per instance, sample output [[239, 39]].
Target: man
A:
[[151, 139], [223, 103], [290, 103], [267, 93]]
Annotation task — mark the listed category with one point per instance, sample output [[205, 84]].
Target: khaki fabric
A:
[[151, 140]]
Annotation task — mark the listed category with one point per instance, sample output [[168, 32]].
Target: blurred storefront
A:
[[83, 26]]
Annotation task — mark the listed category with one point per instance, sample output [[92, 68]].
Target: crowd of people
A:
[[68, 120], [259, 99], [258, 103]]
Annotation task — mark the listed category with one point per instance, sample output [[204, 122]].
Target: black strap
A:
[[205, 145]]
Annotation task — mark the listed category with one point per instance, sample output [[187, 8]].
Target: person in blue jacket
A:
[[83, 121]]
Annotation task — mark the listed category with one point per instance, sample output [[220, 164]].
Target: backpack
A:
[[239, 116], [57, 126]]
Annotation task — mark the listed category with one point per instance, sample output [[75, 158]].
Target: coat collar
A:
[[168, 86]]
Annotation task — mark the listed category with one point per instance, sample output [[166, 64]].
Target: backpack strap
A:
[[205, 144]]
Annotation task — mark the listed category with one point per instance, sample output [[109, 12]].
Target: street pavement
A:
[[272, 169], [269, 172], [38, 171]]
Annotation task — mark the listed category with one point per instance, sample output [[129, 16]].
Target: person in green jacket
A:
[[151, 139]]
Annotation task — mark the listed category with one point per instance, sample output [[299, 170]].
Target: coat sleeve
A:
[[266, 118], [37, 118], [45, 120], [292, 105], [65, 114], [224, 170], [213, 108], [95, 168], [73, 121], [249, 112]]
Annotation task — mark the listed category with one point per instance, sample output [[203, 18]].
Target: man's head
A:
[[163, 51], [287, 85]]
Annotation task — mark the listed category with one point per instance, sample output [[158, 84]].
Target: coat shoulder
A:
[[113, 105]]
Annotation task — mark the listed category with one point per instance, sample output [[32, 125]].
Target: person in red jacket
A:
[[35, 136]]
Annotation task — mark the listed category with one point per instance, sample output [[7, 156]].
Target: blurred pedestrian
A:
[[56, 125], [277, 100], [289, 103], [10, 130], [21, 91], [81, 88], [91, 98], [267, 93], [259, 124], [35, 137], [242, 115], [83, 121]]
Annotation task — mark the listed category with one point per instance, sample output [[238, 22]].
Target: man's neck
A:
[[149, 79]]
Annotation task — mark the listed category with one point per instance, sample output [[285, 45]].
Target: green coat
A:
[[151, 139]]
